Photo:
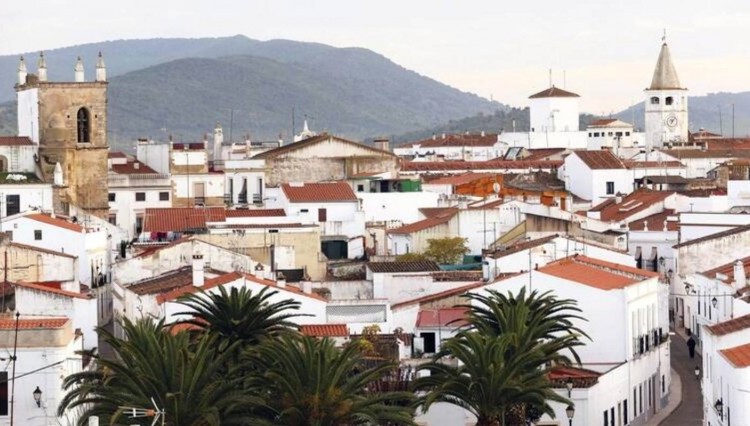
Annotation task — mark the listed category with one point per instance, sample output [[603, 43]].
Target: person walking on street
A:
[[691, 346]]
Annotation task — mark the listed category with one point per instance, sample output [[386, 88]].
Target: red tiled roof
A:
[[458, 140], [634, 164], [324, 330], [47, 289], [438, 296], [739, 356], [322, 138], [15, 141], [596, 273], [9, 323], [554, 92], [581, 378], [600, 160], [443, 317], [492, 165], [179, 219], [635, 202], [656, 222], [730, 326], [255, 213], [728, 270], [176, 292], [458, 179], [722, 234], [320, 192], [437, 211], [439, 219], [602, 122], [520, 246], [132, 167], [417, 266], [41, 250], [55, 221], [116, 154]]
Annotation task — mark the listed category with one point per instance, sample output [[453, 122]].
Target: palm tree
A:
[[537, 320], [310, 382], [184, 377], [489, 379], [240, 315]]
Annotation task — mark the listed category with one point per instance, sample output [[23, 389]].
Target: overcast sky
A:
[[498, 49]]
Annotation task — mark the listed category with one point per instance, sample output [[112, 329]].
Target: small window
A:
[[83, 126], [627, 133], [138, 225], [112, 219], [37, 234], [164, 196], [610, 188], [618, 134], [140, 196], [609, 134], [111, 197], [360, 188], [12, 204], [654, 100], [304, 210], [590, 134], [669, 100], [596, 134]]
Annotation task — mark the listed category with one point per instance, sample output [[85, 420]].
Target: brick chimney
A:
[[199, 277]]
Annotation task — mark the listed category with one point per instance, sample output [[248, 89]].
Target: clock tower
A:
[[666, 105]]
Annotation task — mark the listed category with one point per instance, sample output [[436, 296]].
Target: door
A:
[[199, 192], [322, 215]]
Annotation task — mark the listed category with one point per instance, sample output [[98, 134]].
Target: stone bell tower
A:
[[68, 122]]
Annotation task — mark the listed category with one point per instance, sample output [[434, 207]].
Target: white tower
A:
[[42, 67], [218, 140], [101, 70], [79, 71], [666, 104], [553, 110], [22, 72]]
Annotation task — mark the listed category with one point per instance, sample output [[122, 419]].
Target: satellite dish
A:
[[496, 188]]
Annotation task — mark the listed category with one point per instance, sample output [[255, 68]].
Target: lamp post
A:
[[38, 396], [570, 412]]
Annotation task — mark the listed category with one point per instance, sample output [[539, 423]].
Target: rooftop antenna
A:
[[550, 77], [156, 413], [664, 36]]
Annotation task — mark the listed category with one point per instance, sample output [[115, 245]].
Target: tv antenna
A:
[[156, 413]]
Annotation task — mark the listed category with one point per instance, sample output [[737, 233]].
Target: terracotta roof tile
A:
[[132, 167], [596, 273], [722, 234], [739, 356], [458, 140], [492, 165], [602, 122], [443, 317], [180, 219], [47, 289], [600, 160], [15, 141], [41, 250], [656, 222], [255, 213], [324, 330], [438, 296], [581, 378], [321, 192], [635, 202], [730, 326], [728, 270], [554, 92], [390, 267], [432, 221], [164, 282], [9, 323], [659, 165], [322, 138], [55, 221], [519, 246], [458, 179], [437, 211]]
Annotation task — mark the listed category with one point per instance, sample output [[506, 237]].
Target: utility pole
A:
[[13, 374]]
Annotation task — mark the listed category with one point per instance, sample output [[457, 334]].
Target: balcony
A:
[[647, 342]]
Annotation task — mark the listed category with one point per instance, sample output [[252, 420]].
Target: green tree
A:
[[240, 315], [183, 376], [309, 382], [487, 381], [447, 250]]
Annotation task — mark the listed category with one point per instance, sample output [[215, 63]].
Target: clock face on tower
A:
[[671, 121]]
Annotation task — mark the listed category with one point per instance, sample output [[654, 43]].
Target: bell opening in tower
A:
[[83, 126]]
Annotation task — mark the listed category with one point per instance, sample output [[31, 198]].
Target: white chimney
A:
[[136, 165], [22, 71], [218, 140], [79, 71], [57, 177], [739, 275], [101, 70], [42, 67], [199, 278], [280, 280], [307, 287]]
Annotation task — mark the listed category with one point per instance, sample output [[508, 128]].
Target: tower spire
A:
[[101, 69], [79, 71], [665, 75], [42, 67], [22, 72]]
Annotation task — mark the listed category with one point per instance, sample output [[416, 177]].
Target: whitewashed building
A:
[[595, 175]]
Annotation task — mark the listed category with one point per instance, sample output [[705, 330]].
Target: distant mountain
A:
[[712, 112], [184, 86]]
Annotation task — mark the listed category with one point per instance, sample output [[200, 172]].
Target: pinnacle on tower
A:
[[665, 76], [42, 67], [79, 71], [101, 69], [22, 72]]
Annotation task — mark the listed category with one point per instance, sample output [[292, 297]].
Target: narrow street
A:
[[690, 411]]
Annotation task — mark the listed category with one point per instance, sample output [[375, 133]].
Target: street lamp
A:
[[570, 411], [38, 396], [714, 302], [697, 372], [719, 406]]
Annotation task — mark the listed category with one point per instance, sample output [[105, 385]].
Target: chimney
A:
[[307, 287], [482, 133], [382, 144], [280, 280], [136, 165], [739, 275], [199, 277], [443, 135]]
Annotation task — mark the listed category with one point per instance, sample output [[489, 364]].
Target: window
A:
[[654, 100], [610, 188], [640, 398], [322, 215], [138, 225], [627, 133], [429, 342], [12, 204], [612, 416], [83, 126], [37, 234], [669, 100], [609, 133], [112, 219], [140, 196], [112, 197], [606, 418], [590, 134], [625, 410], [618, 134], [360, 188], [164, 196], [635, 404], [3, 393]]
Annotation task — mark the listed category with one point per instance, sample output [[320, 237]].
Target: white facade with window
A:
[[18, 198], [594, 184], [131, 194]]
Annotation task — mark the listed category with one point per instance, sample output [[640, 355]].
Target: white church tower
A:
[[666, 105]]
